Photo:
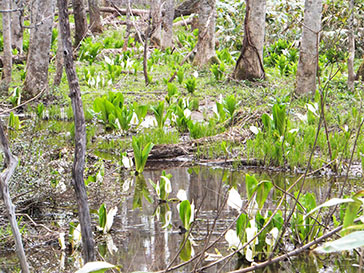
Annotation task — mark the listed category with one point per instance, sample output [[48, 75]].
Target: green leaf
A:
[[279, 117], [350, 214], [102, 216], [185, 213], [250, 184], [241, 225], [348, 242], [263, 189], [267, 122], [331, 202], [95, 267], [186, 251]]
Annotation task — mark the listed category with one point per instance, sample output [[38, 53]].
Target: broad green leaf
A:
[[267, 122], [241, 225], [348, 242], [185, 213], [279, 117], [350, 214], [186, 251], [95, 267], [263, 189], [102, 216], [250, 184], [331, 202]]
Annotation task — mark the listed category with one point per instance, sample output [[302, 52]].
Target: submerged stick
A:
[[11, 162], [80, 136]]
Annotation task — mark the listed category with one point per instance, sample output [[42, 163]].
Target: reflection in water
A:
[[139, 243]]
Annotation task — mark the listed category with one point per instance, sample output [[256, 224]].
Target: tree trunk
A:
[[156, 30], [307, 63], [7, 59], [167, 33], [351, 48], [79, 12], [80, 136], [205, 54], [128, 25], [95, 16], [11, 162], [36, 79], [249, 65], [59, 59], [17, 21]]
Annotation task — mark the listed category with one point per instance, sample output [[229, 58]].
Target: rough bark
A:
[[59, 59], [167, 32], [249, 65], [307, 63], [36, 78], [17, 20], [7, 59], [156, 30], [186, 8], [95, 16], [80, 136], [10, 163], [79, 12], [351, 48], [205, 53]]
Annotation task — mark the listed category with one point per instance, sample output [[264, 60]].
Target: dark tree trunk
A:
[[249, 66], [95, 16], [79, 12], [80, 136], [11, 162]]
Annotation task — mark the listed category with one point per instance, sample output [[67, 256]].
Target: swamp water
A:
[[138, 241]]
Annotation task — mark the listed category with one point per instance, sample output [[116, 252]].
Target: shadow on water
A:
[[138, 241]]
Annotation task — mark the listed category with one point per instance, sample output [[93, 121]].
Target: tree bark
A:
[[7, 59], [17, 20], [205, 54], [59, 59], [79, 12], [307, 63], [249, 65], [11, 162], [351, 48], [80, 136], [156, 30], [36, 78], [95, 16], [167, 33], [128, 25]]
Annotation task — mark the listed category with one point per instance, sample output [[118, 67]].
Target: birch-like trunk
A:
[[7, 60], [36, 79], [95, 16], [79, 12], [156, 34], [249, 65], [307, 63], [351, 48], [167, 33], [80, 136], [17, 22], [205, 53]]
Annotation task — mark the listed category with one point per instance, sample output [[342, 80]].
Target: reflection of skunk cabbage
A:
[[140, 153], [163, 187]]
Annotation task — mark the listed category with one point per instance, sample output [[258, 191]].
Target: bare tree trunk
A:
[[128, 25], [351, 48], [205, 53], [59, 59], [79, 11], [80, 136], [11, 162], [95, 16], [39, 47], [7, 60], [307, 63], [167, 33], [17, 20], [249, 66], [156, 31]]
